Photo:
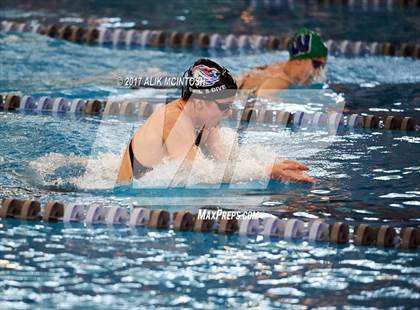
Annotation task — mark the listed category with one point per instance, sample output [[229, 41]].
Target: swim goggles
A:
[[317, 64]]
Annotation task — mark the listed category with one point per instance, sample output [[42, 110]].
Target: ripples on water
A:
[[71, 70], [362, 176], [72, 266], [364, 20]]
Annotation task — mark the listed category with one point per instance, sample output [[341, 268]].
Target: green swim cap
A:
[[306, 44]]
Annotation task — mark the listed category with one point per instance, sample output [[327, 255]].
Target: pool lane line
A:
[[207, 221], [143, 108], [158, 38], [365, 5], [325, 120], [372, 4]]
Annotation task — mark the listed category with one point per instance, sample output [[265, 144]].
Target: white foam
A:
[[100, 173], [249, 164], [101, 170]]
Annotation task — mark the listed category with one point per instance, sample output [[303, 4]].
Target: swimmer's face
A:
[[216, 111], [312, 70], [318, 69]]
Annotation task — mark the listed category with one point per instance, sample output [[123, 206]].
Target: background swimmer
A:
[[307, 59]]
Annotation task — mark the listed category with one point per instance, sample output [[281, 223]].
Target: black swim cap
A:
[[208, 81]]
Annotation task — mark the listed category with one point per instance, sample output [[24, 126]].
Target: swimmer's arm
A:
[[271, 86], [215, 145]]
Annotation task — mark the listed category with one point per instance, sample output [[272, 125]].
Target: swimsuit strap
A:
[[130, 152], [137, 167], [198, 138]]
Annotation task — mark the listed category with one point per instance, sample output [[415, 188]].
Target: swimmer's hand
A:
[[290, 171]]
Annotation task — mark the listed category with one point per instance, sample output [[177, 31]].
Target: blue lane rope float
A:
[[143, 108], [158, 38], [269, 226]]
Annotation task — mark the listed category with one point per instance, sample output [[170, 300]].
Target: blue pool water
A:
[[46, 266], [362, 176], [395, 23]]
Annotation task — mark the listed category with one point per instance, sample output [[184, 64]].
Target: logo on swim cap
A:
[[205, 76], [307, 44], [301, 44]]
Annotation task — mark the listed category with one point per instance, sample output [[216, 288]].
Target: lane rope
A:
[[268, 226], [158, 38], [142, 108]]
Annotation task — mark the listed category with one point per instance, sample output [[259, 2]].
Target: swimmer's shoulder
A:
[[164, 117], [169, 117], [169, 110]]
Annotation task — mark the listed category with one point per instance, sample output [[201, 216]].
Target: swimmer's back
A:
[[263, 78], [149, 140], [148, 143]]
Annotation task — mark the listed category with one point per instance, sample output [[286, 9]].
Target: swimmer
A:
[[307, 59], [184, 127]]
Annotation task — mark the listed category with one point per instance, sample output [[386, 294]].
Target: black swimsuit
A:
[[138, 169]]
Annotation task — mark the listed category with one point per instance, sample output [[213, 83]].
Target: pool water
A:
[[46, 266], [363, 21], [362, 176], [62, 152]]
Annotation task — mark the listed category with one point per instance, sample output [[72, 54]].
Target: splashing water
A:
[[250, 162], [320, 77], [100, 172]]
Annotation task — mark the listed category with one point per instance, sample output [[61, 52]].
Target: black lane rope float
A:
[[268, 226], [143, 108], [158, 38]]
